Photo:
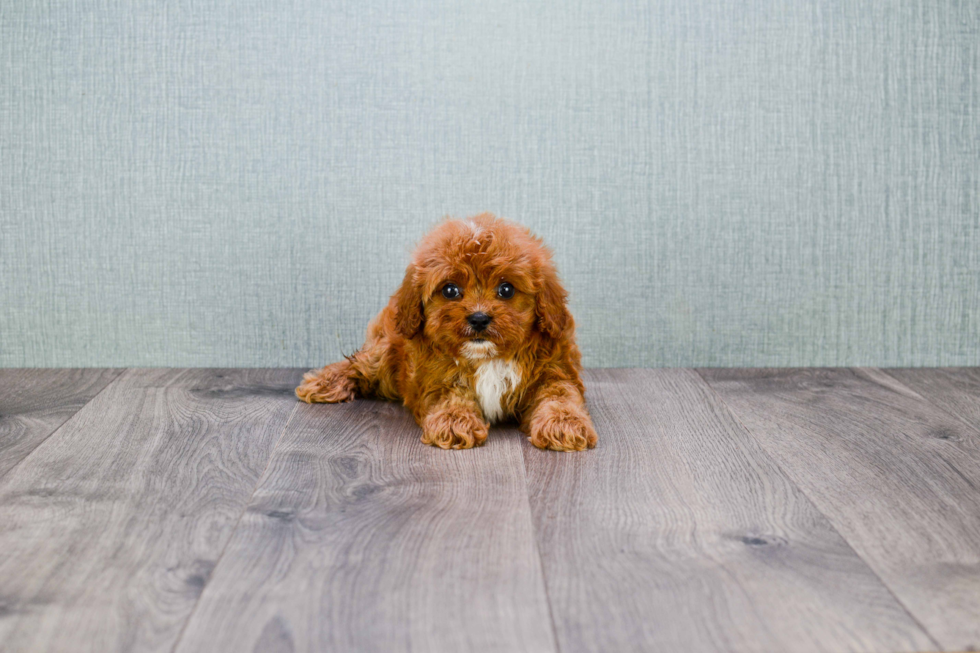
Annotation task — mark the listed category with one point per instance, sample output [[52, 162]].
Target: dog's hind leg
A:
[[355, 376], [365, 373], [333, 384]]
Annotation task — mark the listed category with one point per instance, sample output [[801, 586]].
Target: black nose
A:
[[478, 321]]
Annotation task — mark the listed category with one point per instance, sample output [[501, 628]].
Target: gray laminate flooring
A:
[[723, 510]]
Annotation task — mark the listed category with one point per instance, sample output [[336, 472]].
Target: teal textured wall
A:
[[239, 183]]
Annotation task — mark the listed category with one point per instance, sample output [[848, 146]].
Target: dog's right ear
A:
[[408, 302]]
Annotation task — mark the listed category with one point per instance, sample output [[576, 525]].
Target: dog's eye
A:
[[505, 290], [451, 291]]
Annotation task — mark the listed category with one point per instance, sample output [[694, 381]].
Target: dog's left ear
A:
[[551, 305], [408, 300]]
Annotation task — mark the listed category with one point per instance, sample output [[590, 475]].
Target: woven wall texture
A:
[[237, 183]]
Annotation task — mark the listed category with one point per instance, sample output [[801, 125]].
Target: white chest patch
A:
[[493, 380]]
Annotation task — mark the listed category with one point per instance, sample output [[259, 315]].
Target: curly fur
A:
[[421, 350]]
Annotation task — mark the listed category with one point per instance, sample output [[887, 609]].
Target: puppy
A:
[[478, 332]]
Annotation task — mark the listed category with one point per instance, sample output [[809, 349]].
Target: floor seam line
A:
[[816, 507], [234, 530], [537, 550], [120, 373], [945, 411]]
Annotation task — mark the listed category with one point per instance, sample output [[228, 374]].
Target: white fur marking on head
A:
[[494, 379], [477, 229]]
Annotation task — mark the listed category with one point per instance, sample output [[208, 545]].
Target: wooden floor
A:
[[723, 510]]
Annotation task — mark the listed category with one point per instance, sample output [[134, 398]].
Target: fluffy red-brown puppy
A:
[[478, 332]]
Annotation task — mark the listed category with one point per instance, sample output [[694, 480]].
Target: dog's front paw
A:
[[454, 427], [331, 385], [562, 426]]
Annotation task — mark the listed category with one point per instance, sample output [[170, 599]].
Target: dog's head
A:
[[479, 288]]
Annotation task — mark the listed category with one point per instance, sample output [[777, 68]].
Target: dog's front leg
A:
[[453, 422], [558, 419]]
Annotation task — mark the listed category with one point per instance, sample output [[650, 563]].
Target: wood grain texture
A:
[[955, 389], [110, 529], [898, 477], [33, 403], [679, 533], [360, 538]]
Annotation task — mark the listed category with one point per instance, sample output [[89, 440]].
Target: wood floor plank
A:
[[955, 389], [361, 538], [35, 402], [679, 533], [110, 529], [898, 477]]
